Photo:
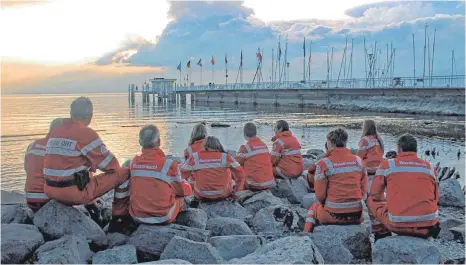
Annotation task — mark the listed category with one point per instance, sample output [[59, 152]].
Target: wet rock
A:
[[70, 249], [291, 189], [288, 250], [224, 226], [150, 241], [308, 200], [19, 242], [451, 193], [458, 233], [218, 124], [116, 239], [16, 213], [192, 251], [12, 197], [260, 200], [275, 219], [55, 220], [118, 255], [168, 261], [224, 208], [354, 237], [445, 225], [315, 154], [193, 218], [230, 247], [404, 249], [332, 249]]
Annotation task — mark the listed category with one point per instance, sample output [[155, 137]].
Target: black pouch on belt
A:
[[82, 179]]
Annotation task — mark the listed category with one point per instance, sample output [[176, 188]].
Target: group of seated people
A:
[[150, 188]]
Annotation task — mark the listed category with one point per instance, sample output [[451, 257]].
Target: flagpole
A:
[[226, 71], [201, 75]]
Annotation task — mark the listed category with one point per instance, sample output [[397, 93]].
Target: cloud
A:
[[20, 3]]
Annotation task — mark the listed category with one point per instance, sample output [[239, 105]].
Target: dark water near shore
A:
[[27, 117]]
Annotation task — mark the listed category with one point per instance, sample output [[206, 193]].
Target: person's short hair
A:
[[55, 123], [149, 136], [338, 137], [250, 129], [281, 124], [81, 108], [213, 142], [407, 143]]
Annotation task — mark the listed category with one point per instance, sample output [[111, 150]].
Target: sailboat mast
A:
[[414, 64], [309, 63], [425, 43], [433, 56], [304, 60]]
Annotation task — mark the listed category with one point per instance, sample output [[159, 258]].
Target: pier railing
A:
[[456, 81]]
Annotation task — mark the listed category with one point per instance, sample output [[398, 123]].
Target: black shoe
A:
[[194, 203], [380, 236], [94, 212], [123, 224]]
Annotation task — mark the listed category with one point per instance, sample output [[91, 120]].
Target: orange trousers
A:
[[381, 224], [97, 186], [278, 173], [318, 215], [179, 207]]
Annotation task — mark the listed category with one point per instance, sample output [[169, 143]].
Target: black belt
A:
[[354, 216], [60, 184]]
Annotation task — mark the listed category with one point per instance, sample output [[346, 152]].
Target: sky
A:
[[69, 46]]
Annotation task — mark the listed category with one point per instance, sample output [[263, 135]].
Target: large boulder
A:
[[19, 242], [458, 233], [116, 239], [70, 249], [451, 252], [404, 249], [451, 193], [192, 251], [224, 226], [118, 255], [288, 250], [167, 261], [12, 197], [308, 199], [16, 213], [354, 237], [224, 208], [55, 220], [230, 247], [260, 200], [150, 241], [275, 219], [193, 218], [445, 225], [291, 189], [332, 249]]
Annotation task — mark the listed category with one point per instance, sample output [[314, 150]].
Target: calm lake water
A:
[[27, 117]]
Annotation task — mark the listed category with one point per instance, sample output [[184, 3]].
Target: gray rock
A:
[[19, 242], [403, 249], [192, 251], [451, 193], [291, 189], [116, 239], [230, 247], [224, 226], [451, 252], [260, 200], [193, 218], [354, 237], [244, 195], [316, 154], [308, 162], [224, 208], [118, 255], [276, 219], [70, 249], [150, 241], [288, 250], [308, 200], [55, 220], [12, 197], [16, 213], [332, 249], [445, 225], [168, 261], [458, 233]]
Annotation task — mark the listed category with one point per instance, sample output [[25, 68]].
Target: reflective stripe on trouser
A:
[[97, 186], [263, 185], [318, 215], [168, 218], [278, 173], [120, 202]]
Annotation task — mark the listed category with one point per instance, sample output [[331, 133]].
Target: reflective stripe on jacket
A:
[[370, 152], [193, 148], [34, 167], [286, 155]]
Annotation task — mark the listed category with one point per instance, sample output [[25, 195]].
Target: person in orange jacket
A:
[[34, 167], [287, 160], [412, 194], [213, 171], [371, 148], [311, 170], [196, 141], [73, 152], [255, 158], [155, 188], [340, 185]]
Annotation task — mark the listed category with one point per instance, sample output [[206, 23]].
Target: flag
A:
[[188, 64], [200, 62], [241, 63], [259, 55], [226, 61], [212, 61], [179, 67]]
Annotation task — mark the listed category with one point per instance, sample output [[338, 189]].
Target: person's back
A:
[[196, 141], [193, 148], [34, 167], [371, 147], [286, 153]]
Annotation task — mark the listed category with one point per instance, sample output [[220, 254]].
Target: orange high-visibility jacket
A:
[[412, 191], [370, 152], [212, 173], [255, 158], [340, 181], [193, 148], [286, 155], [73, 147], [34, 167], [153, 187]]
